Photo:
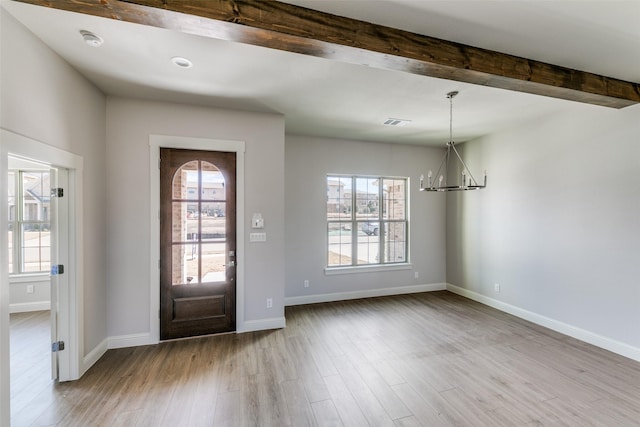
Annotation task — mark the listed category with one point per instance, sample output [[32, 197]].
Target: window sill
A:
[[29, 277], [330, 271]]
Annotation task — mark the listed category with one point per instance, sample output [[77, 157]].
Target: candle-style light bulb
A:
[[421, 181], [429, 176], [440, 181], [464, 176]]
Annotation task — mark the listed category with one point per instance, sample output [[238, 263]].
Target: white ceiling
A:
[[326, 98]]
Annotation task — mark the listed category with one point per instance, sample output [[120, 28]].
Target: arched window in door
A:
[[198, 224]]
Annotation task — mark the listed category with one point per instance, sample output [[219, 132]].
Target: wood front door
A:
[[197, 242]]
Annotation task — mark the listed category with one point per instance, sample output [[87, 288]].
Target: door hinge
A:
[[57, 192], [57, 346], [57, 269]]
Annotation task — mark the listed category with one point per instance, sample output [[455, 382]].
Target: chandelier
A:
[[468, 182]]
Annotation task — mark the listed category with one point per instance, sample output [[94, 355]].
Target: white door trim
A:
[[70, 304], [165, 141]]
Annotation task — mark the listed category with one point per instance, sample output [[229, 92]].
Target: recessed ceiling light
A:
[[182, 62], [91, 39]]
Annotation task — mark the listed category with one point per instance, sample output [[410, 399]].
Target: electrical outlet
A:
[[269, 302], [416, 275], [306, 283], [30, 289], [496, 287]]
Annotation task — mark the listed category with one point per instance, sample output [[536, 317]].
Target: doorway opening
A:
[[156, 143], [32, 245], [65, 256]]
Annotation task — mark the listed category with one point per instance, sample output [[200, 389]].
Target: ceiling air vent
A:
[[396, 122]]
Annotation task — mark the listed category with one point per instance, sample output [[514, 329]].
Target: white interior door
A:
[[59, 229], [53, 218]]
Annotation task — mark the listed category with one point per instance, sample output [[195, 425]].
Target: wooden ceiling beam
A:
[[296, 29]]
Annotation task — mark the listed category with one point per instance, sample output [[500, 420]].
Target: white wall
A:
[[129, 124], [558, 226], [43, 98], [308, 160], [21, 300]]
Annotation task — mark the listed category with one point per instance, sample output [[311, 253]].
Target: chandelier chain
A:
[[451, 95]]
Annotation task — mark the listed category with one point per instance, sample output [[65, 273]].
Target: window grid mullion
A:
[[354, 223], [381, 221], [19, 223], [20, 220]]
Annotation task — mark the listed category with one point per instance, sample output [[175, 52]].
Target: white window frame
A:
[[18, 221], [355, 224]]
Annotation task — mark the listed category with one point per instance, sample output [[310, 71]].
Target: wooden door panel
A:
[[197, 242], [195, 308]]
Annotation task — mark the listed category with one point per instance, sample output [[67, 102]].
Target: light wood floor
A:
[[433, 359], [30, 358]]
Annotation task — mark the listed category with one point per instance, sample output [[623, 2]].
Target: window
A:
[[366, 220], [29, 240]]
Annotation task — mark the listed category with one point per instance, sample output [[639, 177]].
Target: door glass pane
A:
[[367, 190], [213, 262], [184, 264], [184, 226], [340, 245], [212, 183], [394, 199], [214, 209], [185, 182], [213, 222]]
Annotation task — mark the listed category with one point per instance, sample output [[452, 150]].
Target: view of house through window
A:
[[366, 220], [29, 237]]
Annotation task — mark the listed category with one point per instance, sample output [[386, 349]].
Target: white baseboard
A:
[[614, 346], [342, 296], [94, 355], [135, 340], [262, 325], [132, 340], [24, 307]]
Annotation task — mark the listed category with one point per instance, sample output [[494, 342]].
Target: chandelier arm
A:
[[446, 167], [443, 162], [464, 165]]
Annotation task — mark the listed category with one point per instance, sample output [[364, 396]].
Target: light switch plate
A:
[[257, 237]]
